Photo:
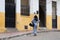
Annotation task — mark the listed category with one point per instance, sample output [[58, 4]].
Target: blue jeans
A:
[[35, 29]]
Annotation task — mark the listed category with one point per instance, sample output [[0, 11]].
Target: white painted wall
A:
[[2, 5], [34, 6], [54, 0], [49, 7], [18, 6], [58, 7]]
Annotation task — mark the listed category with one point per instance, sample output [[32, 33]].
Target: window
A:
[[25, 10]]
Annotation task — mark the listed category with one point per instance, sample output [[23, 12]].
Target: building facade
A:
[[19, 13]]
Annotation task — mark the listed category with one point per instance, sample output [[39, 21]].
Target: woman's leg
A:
[[35, 30]]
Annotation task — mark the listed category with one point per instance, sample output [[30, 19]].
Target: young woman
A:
[[35, 21]]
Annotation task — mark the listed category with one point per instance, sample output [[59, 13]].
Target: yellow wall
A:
[[58, 22], [20, 22], [2, 22], [49, 22], [23, 20]]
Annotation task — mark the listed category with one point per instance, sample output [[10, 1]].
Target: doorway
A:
[[42, 13], [54, 15], [10, 17]]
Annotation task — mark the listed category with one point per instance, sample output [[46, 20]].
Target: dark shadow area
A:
[[42, 13], [10, 16], [54, 15]]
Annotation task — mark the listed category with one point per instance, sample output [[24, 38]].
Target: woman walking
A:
[[35, 21]]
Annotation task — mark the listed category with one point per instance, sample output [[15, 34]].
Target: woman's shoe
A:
[[35, 34]]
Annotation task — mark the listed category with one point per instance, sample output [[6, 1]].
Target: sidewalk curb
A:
[[29, 34]]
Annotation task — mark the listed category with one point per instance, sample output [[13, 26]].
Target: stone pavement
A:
[[12, 34], [5, 36], [52, 35]]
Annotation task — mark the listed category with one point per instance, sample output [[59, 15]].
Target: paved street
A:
[[40, 36]]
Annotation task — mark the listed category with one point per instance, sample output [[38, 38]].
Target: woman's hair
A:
[[36, 18]]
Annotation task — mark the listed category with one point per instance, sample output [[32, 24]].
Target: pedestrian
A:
[[35, 21]]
